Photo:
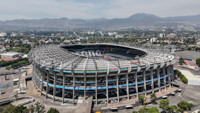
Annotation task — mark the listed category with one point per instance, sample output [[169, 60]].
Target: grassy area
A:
[[14, 63]]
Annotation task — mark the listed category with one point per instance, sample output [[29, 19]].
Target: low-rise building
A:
[[10, 55]]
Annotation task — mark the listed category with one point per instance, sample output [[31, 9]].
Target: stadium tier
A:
[[105, 71]]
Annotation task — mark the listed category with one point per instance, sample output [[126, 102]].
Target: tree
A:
[[142, 99], [134, 112], [53, 110], [9, 109], [153, 98], [163, 103], [15, 109], [8, 67], [38, 108], [21, 109], [170, 109], [185, 105], [143, 110], [181, 61], [198, 62], [149, 110], [179, 110], [153, 110], [182, 77]]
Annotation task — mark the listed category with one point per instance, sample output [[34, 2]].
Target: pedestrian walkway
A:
[[134, 100], [84, 106], [192, 79], [22, 83]]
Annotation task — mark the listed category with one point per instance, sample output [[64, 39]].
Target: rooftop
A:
[[10, 53], [60, 58]]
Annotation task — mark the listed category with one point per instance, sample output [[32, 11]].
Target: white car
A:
[[164, 97], [179, 90], [173, 93]]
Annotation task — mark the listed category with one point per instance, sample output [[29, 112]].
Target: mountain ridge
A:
[[135, 20]]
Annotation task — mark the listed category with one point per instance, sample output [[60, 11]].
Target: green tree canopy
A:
[[15, 109], [149, 110], [181, 61], [153, 97], [185, 105], [134, 112], [142, 99], [163, 103], [37, 108], [198, 62], [53, 110], [170, 109]]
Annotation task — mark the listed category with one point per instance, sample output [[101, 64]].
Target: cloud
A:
[[86, 9]]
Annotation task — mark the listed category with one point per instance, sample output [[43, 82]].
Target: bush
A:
[[181, 61], [182, 77], [53, 110], [20, 63], [198, 62]]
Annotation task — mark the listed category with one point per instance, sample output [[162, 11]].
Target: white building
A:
[[198, 43], [10, 55], [2, 34], [112, 33], [13, 34], [162, 35], [153, 39]]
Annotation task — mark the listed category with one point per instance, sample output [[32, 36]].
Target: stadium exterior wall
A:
[[104, 86]]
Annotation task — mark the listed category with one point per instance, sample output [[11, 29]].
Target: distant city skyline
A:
[[91, 9]]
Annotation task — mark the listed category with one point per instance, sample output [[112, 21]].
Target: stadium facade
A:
[[108, 72]]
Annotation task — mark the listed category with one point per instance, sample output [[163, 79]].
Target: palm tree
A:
[[142, 99], [153, 98]]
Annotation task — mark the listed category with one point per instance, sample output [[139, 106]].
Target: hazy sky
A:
[[87, 9]]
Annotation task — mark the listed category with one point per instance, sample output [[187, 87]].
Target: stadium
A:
[[103, 71]]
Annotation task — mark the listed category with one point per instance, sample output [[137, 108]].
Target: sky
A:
[[92, 9]]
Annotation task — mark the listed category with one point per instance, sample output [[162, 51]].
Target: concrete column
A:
[[136, 84], [164, 74], [108, 71], [40, 77], [85, 87], [107, 96], [127, 86], [158, 75], [169, 77], [73, 88], [54, 88], [172, 69], [42, 84], [117, 87], [96, 90], [63, 90], [145, 86], [47, 88], [152, 81]]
